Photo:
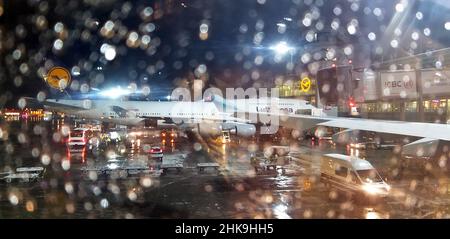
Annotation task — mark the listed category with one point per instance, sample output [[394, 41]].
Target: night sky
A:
[[175, 50]]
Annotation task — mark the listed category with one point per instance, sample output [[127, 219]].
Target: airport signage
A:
[[435, 82], [304, 87], [398, 84], [305, 84]]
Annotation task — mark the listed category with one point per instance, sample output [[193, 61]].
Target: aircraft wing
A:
[[417, 129]]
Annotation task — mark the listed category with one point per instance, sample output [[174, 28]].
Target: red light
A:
[[333, 65], [350, 61], [155, 150], [351, 102], [83, 155]]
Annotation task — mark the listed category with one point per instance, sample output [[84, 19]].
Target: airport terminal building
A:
[[411, 95], [408, 95], [409, 84]]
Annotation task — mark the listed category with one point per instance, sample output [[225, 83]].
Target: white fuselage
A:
[[192, 112], [133, 112], [267, 105]]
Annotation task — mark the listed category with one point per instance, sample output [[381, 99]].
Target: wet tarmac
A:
[[233, 191]]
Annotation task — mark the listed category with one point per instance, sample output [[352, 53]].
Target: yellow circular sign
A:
[[305, 84], [58, 78]]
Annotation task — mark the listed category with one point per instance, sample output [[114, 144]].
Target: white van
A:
[[352, 174], [24, 174]]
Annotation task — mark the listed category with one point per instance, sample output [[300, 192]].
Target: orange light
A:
[[30, 206]]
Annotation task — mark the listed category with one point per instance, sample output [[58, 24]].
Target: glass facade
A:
[[411, 107], [378, 107], [436, 109], [435, 105]]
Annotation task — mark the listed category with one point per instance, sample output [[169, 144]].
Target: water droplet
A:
[[45, 159], [104, 203]]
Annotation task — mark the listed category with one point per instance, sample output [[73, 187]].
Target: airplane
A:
[[203, 116], [209, 117], [302, 116], [263, 105]]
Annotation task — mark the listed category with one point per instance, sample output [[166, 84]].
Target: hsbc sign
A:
[[400, 84]]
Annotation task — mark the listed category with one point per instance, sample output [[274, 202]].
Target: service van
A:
[[78, 138], [352, 174], [24, 174]]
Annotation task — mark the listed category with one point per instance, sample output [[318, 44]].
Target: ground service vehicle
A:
[[353, 175]]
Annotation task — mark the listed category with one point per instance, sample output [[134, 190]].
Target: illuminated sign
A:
[[305, 84], [58, 78], [400, 84], [435, 82]]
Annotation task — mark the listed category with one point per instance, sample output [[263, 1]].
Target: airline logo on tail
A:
[[305, 84], [58, 78]]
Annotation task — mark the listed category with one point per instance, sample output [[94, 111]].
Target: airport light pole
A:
[[281, 48]]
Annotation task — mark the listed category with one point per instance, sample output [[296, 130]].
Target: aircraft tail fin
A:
[[58, 79]]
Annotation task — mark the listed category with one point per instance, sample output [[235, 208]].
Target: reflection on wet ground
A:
[[235, 191]]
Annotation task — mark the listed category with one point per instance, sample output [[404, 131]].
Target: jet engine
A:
[[239, 129], [215, 129]]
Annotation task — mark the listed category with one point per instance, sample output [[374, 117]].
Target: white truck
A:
[[23, 174]]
